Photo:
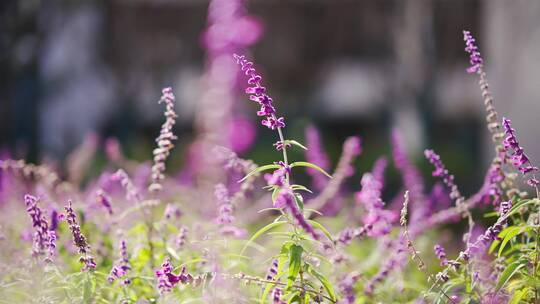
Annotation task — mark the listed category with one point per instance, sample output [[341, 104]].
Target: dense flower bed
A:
[[247, 233]]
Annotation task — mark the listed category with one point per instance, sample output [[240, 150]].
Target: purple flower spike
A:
[[79, 240], [44, 239], [441, 254], [475, 57], [442, 172], [517, 154], [258, 94], [286, 199], [167, 279]]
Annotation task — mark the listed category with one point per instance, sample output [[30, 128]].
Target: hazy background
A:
[[70, 68]]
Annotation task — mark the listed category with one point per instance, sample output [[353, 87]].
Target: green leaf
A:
[[310, 165], [515, 209], [508, 234], [258, 170], [295, 263], [275, 194], [518, 296], [294, 142], [509, 272], [299, 201], [261, 232], [321, 228], [295, 298], [324, 281], [301, 188]]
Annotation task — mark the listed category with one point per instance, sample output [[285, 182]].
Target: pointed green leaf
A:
[[294, 142], [301, 188], [295, 263], [518, 296], [310, 165], [258, 170], [507, 235], [509, 272], [324, 281], [261, 232], [321, 228]]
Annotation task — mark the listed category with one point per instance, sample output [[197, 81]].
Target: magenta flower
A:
[[316, 155], [517, 154], [121, 267], [442, 172], [39, 223], [167, 279], [79, 240], [258, 94], [441, 254], [285, 199], [476, 60]]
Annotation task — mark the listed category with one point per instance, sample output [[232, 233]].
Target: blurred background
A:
[[72, 70]]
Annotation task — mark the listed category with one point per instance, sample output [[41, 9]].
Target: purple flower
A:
[[225, 216], [121, 267], [286, 199], [441, 254], [41, 227], [182, 237], [104, 200], [167, 279], [272, 271], [517, 154], [316, 155], [132, 194], [276, 296], [348, 234], [370, 197], [79, 240], [164, 140], [476, 60], [258, 94], [440, 171], [346, 285]]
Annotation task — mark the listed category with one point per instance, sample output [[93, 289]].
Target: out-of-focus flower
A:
[[441, 254], [272, 271], [346, 285], [316, 155], [132, 193], [164, 140], [182, 237], [121, 267], [104, 200]]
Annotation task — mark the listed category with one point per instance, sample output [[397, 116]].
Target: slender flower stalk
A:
[[79, 240], [132, 193], [164, 141], [455, 194]]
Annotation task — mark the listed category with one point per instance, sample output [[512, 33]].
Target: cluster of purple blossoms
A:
[[441, 254], [167, 279], [412, 178], [277, 178], [276, 296], [346, 285], [491, 233], [44, 239], [517, 154], [272, 271], [164, 140], [285, 199], [132, 194], [172, 211], [104, 200], [476, 60], [79, 240], [122, 266], [182, 237], [447, 178], [316, 155], [348, 234], [258, 94], [225, 216], [370, 197]]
